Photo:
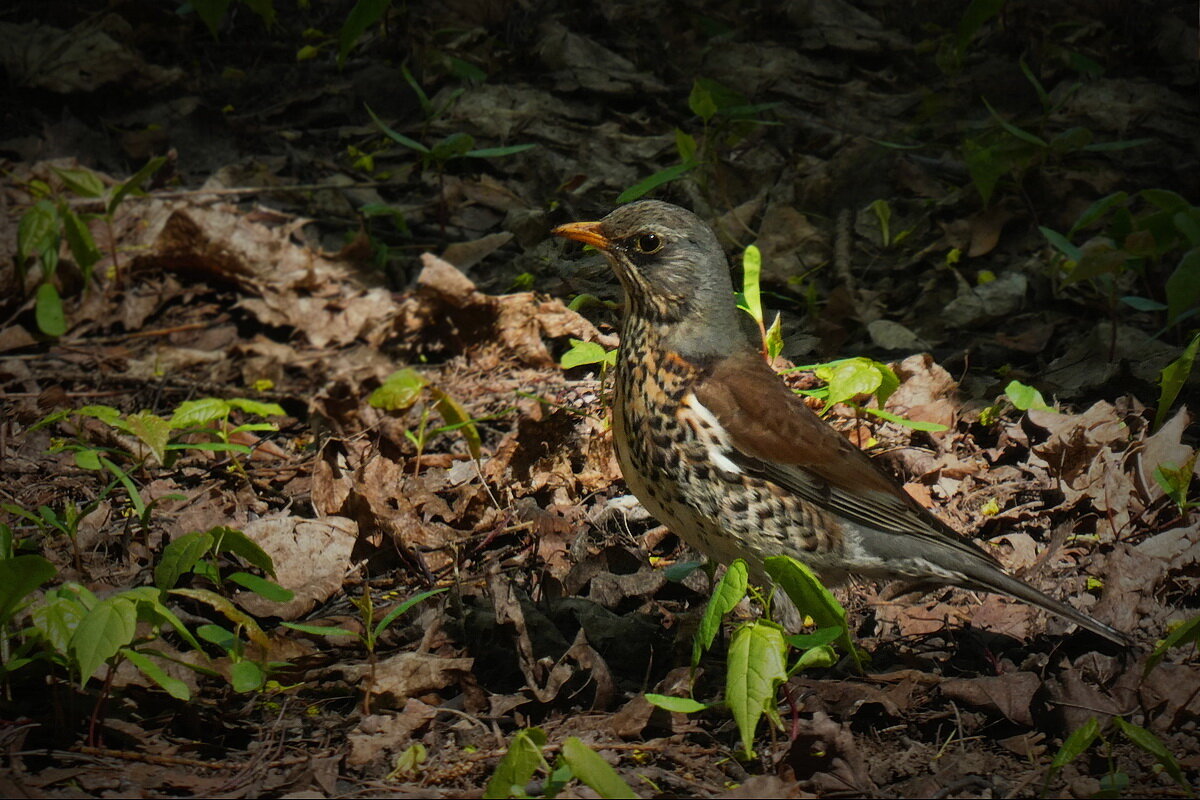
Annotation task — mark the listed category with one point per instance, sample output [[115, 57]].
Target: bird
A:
[[717, 448]]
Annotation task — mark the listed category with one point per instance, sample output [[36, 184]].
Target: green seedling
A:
[[371, 630], [1116, 781], [1172, 379], [576, 761], [52, 219], [405, 387], [853, 380], [582, 353]]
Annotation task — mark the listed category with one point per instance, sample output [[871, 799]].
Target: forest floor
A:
[[300, 348]]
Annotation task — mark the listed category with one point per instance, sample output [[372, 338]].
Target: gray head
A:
[[673, 270]]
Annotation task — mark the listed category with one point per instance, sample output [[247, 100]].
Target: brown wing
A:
[[776, 436]]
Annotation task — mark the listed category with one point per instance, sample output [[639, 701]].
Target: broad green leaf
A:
[[653, 182], [751, 277], [820, 657], [257, 407], [1099, 259], [728, 592], [58, 616], [151, 608], [403, 607], [18, 577], [812, 598], [48, 310], [364, 14], [81, 181], [397, 137], [230, 611], [399, 390], [685, 145], [38, 231], [701, 102], [804, 641], [88, 459], [133, 184], [152, 430], [1164, 199], [524, 757], [172, 686], [683, 705], [191, 413], [452, 146], [850, 378], [1183, 287], [1075, 745], [105, 629], [261, 586], [221, 637], [755, 667], [246, 676], [1025, 397], [589, 767], [179, 556], [582, 352]]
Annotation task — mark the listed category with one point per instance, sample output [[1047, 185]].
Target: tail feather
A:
[[992, 579]]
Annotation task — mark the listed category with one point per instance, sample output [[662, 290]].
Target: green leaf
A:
[[496, 152], [231, 540], [1165, 200], [849, 378], [37, 231], [229, 610], [1013, 130], [1075, 745], [48, 311], [986, 166], [821, 636], [524, 757], [1172, 379], [262, 587], [79, 239], [915, 424], [135, 497], [1100, 259], [820, 657], [774, 340], [812, 599], [653, 182], [219, 636], [457, 418], [246, 676], [151, 609], [81, 181], [1183, 287], [589, 767], [172, 686], [582, 352], [179, 556], [977, 13], [18, 577], [676, 573], [399, 390], [257, 407], [1025, 397], [1097, 210], [1154, 746], [682, 705], [211, 12], [101, 634], [134, 182], [728, 592], [403, 607], [1061, 243], [152, 430], [755, 667], [88, 459], [397, 137], [685, 145], [1188, 632], [58, 616], [191, 413], [701, 102], [364, 14], [320, 630], [751, 278], [1143, 303], [454, 145]]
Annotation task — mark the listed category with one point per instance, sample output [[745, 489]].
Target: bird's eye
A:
[[648, 243]]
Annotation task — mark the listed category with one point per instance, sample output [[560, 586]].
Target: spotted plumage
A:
[[719, 450]]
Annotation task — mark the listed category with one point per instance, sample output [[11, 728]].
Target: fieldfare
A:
[[718, 449]]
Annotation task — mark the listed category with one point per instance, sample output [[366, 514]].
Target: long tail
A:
[[992, 579]]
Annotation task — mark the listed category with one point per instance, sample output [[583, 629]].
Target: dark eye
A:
[[648, 243]]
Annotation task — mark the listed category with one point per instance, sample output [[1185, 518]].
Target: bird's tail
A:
[[992, 579]]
